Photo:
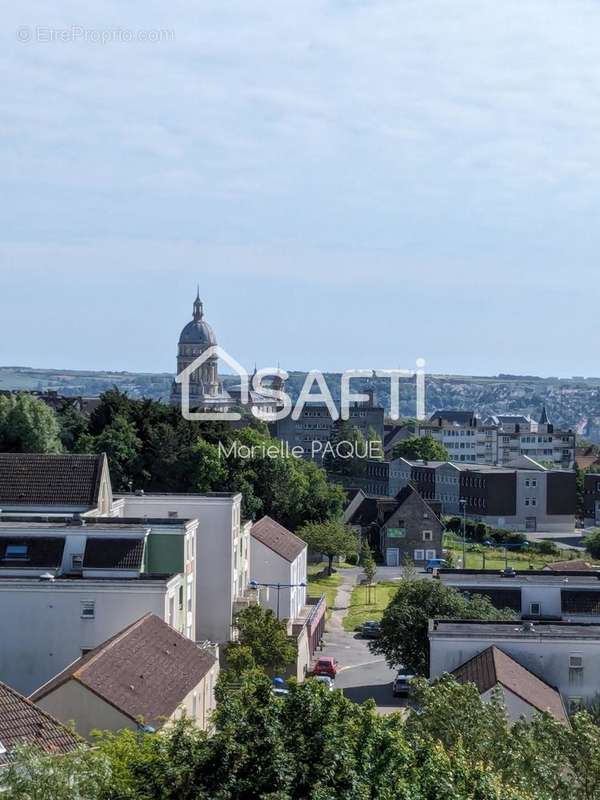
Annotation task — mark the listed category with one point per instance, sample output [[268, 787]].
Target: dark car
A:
[[370, 630], [401, 685]]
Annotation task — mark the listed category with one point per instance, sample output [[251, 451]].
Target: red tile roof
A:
[[145, 671], [277, 538], [22, 722], [57, 480], [493, 666]]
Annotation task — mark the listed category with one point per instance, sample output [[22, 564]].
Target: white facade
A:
[[270, 567], [46, 625], [222, 552], [565, 656]]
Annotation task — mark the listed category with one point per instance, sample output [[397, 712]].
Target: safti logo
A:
[[281, 399]]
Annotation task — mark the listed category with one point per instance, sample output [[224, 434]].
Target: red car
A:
[[326, 665]]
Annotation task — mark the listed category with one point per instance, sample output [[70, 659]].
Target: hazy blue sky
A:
[[353, 183]]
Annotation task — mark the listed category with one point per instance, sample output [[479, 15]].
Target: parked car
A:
[[401, 685], [326, 665], [328, 682], [370, 630], [435, 563]]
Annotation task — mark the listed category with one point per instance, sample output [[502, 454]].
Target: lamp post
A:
[[278, 586], [463, 503]]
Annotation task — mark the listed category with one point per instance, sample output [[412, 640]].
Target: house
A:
[[523, 694], [24, 723], [278, 556], [534, 594], [142, 678], [562, 654], [41, 483], [400, 527], [67, 584]]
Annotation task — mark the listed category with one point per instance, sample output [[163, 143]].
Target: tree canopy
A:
[[424, 448], [28, 425], [265, 638], [404, 626], [332, 538]]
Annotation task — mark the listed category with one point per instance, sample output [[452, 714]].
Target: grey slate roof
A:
[[57, 480], [277, 538], [493, 666], [22, 722], [146, 670]]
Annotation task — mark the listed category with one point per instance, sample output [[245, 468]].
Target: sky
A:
[[352, 183]]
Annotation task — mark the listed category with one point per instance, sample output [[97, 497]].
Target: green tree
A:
[[367, 562], [424, 448], [579, 491], [592, 543], [120, 442], [331, 538], [346, 452], [266, 638], [73, 427], [28, 425], [405, 622]]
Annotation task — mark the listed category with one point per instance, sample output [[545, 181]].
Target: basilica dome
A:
[[198, 331]]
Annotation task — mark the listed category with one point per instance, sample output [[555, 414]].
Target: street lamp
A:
[[278, 586], [463, 503]]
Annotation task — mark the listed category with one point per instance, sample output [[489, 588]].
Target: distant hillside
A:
[[572, 402]]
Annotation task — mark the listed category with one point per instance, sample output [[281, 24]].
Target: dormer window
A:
[[16, 552]]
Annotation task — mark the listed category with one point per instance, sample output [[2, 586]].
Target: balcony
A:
[[250, 597]]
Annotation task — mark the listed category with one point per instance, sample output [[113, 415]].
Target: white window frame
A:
[[429, 554], [535, 613], [418, 557], [427, 536]]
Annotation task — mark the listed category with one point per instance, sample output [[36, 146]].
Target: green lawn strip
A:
[[494, 558], [360, 611], [327, 585]]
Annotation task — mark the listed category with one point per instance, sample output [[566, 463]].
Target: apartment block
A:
[[500, 439]]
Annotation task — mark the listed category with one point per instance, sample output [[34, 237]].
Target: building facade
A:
[[500, 439]]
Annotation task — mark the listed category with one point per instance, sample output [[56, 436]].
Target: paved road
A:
[[361, 674]]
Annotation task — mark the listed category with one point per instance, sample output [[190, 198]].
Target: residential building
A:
[[534, 594], [145, 676], [499, 439], [40, 483], [313, 428], [402, 527], [220, 549], [278, 557], [564, 655], [523, 694], [67, 584], [22, 723]]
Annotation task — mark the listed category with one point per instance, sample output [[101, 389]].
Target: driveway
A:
[[361, 674]]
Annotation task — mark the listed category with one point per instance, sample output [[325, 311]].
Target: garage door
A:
[[392, 557]]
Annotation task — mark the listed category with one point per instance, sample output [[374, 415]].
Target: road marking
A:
[[364, 664]]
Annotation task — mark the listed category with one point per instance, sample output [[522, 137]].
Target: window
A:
[[180, 603], [77, 562], [419, 555], [16, 552], [430, 554], [575, 670], [88, 609], [427, 536], [574, 705], [535, 609]]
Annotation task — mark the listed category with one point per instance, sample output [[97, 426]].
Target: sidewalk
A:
[[335, 624]]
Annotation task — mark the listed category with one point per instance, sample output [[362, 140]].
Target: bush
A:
[[592, 543]]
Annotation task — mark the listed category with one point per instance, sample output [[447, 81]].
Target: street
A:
[[361, 674]]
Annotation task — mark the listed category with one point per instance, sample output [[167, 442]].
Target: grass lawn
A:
[[360, 611], [494, 558], [319, 584]]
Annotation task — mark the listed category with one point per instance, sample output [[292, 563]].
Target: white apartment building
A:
[[221, 551], [564, 655], [66, 588], [500, 439]]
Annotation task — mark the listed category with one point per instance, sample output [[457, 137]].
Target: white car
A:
[[326, 680]]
